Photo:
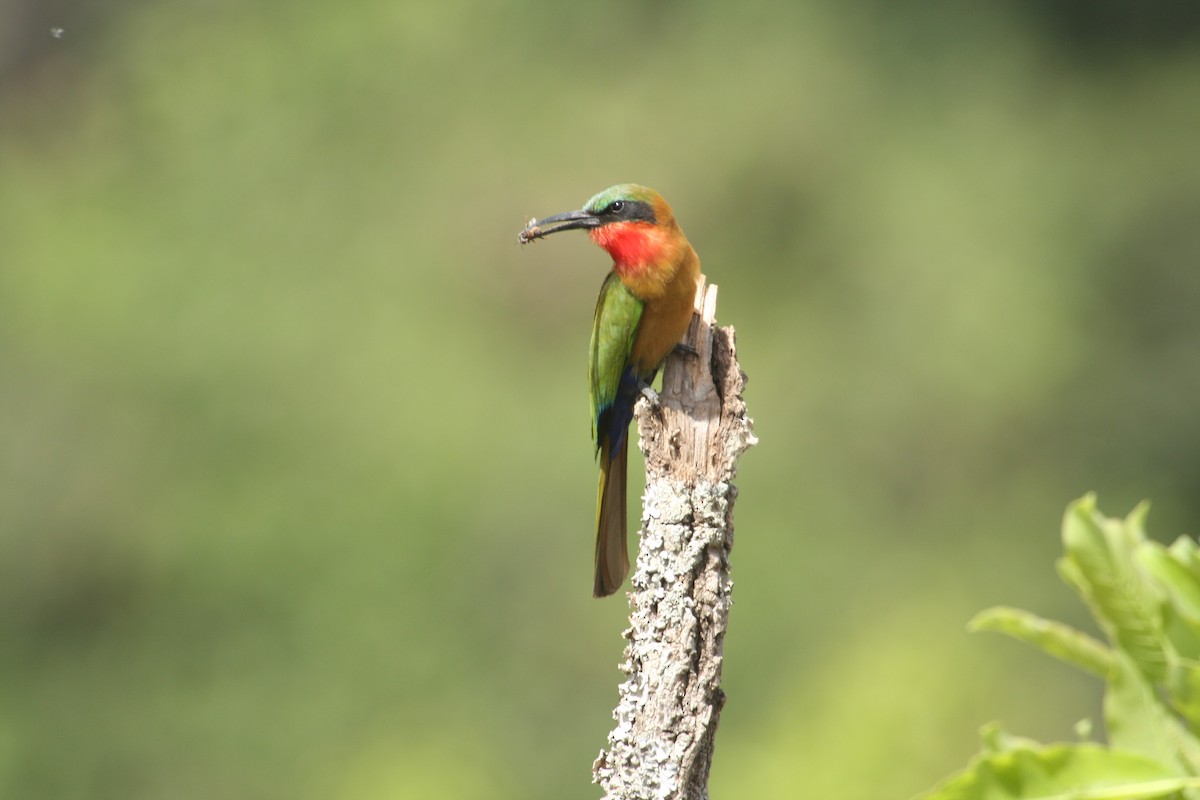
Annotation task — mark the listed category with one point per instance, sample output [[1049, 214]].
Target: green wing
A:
[[614, 327]]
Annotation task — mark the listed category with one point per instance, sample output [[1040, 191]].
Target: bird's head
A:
[[634, 224]]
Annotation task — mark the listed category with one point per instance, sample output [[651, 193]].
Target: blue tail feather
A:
[[612, 423]]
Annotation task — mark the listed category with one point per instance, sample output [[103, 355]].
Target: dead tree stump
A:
[[671, 699]]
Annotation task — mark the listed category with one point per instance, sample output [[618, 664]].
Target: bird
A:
[[643, 311]]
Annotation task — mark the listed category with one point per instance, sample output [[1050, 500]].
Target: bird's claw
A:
[[687, 348], [649, 393]]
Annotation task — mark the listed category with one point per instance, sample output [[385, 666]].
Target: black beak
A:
[[570, 220]]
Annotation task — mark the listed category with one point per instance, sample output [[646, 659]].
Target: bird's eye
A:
[[616, 206]]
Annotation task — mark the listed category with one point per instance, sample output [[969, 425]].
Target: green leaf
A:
[[1182, 589], [1182, 585], [1172, 570], [1061, 772], [997, 740], [1053, 638], [1137, 721], [1186, 552], [1072, 576], [1146, 598], [1183, 685], [1100, 554]]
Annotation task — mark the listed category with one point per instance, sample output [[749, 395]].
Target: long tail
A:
[[612, 557]]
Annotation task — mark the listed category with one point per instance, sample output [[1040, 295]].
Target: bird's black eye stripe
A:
[[628, 210]]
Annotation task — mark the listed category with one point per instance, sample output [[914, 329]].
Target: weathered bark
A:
[[662, 745]]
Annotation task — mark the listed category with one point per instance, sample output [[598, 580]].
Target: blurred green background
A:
[[296, 490]]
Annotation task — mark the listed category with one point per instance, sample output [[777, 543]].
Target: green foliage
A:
[[1144, 597]]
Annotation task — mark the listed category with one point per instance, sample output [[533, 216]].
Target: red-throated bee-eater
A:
[[644, 309]]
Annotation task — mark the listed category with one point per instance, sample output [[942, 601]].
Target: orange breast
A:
[[668, 311]]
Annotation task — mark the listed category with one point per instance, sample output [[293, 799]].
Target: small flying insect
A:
[[531, 232]]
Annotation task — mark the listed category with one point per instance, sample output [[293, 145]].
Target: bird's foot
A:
[[649, 393], [686, 348]]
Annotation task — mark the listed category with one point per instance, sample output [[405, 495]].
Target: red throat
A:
[[632, 245]]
